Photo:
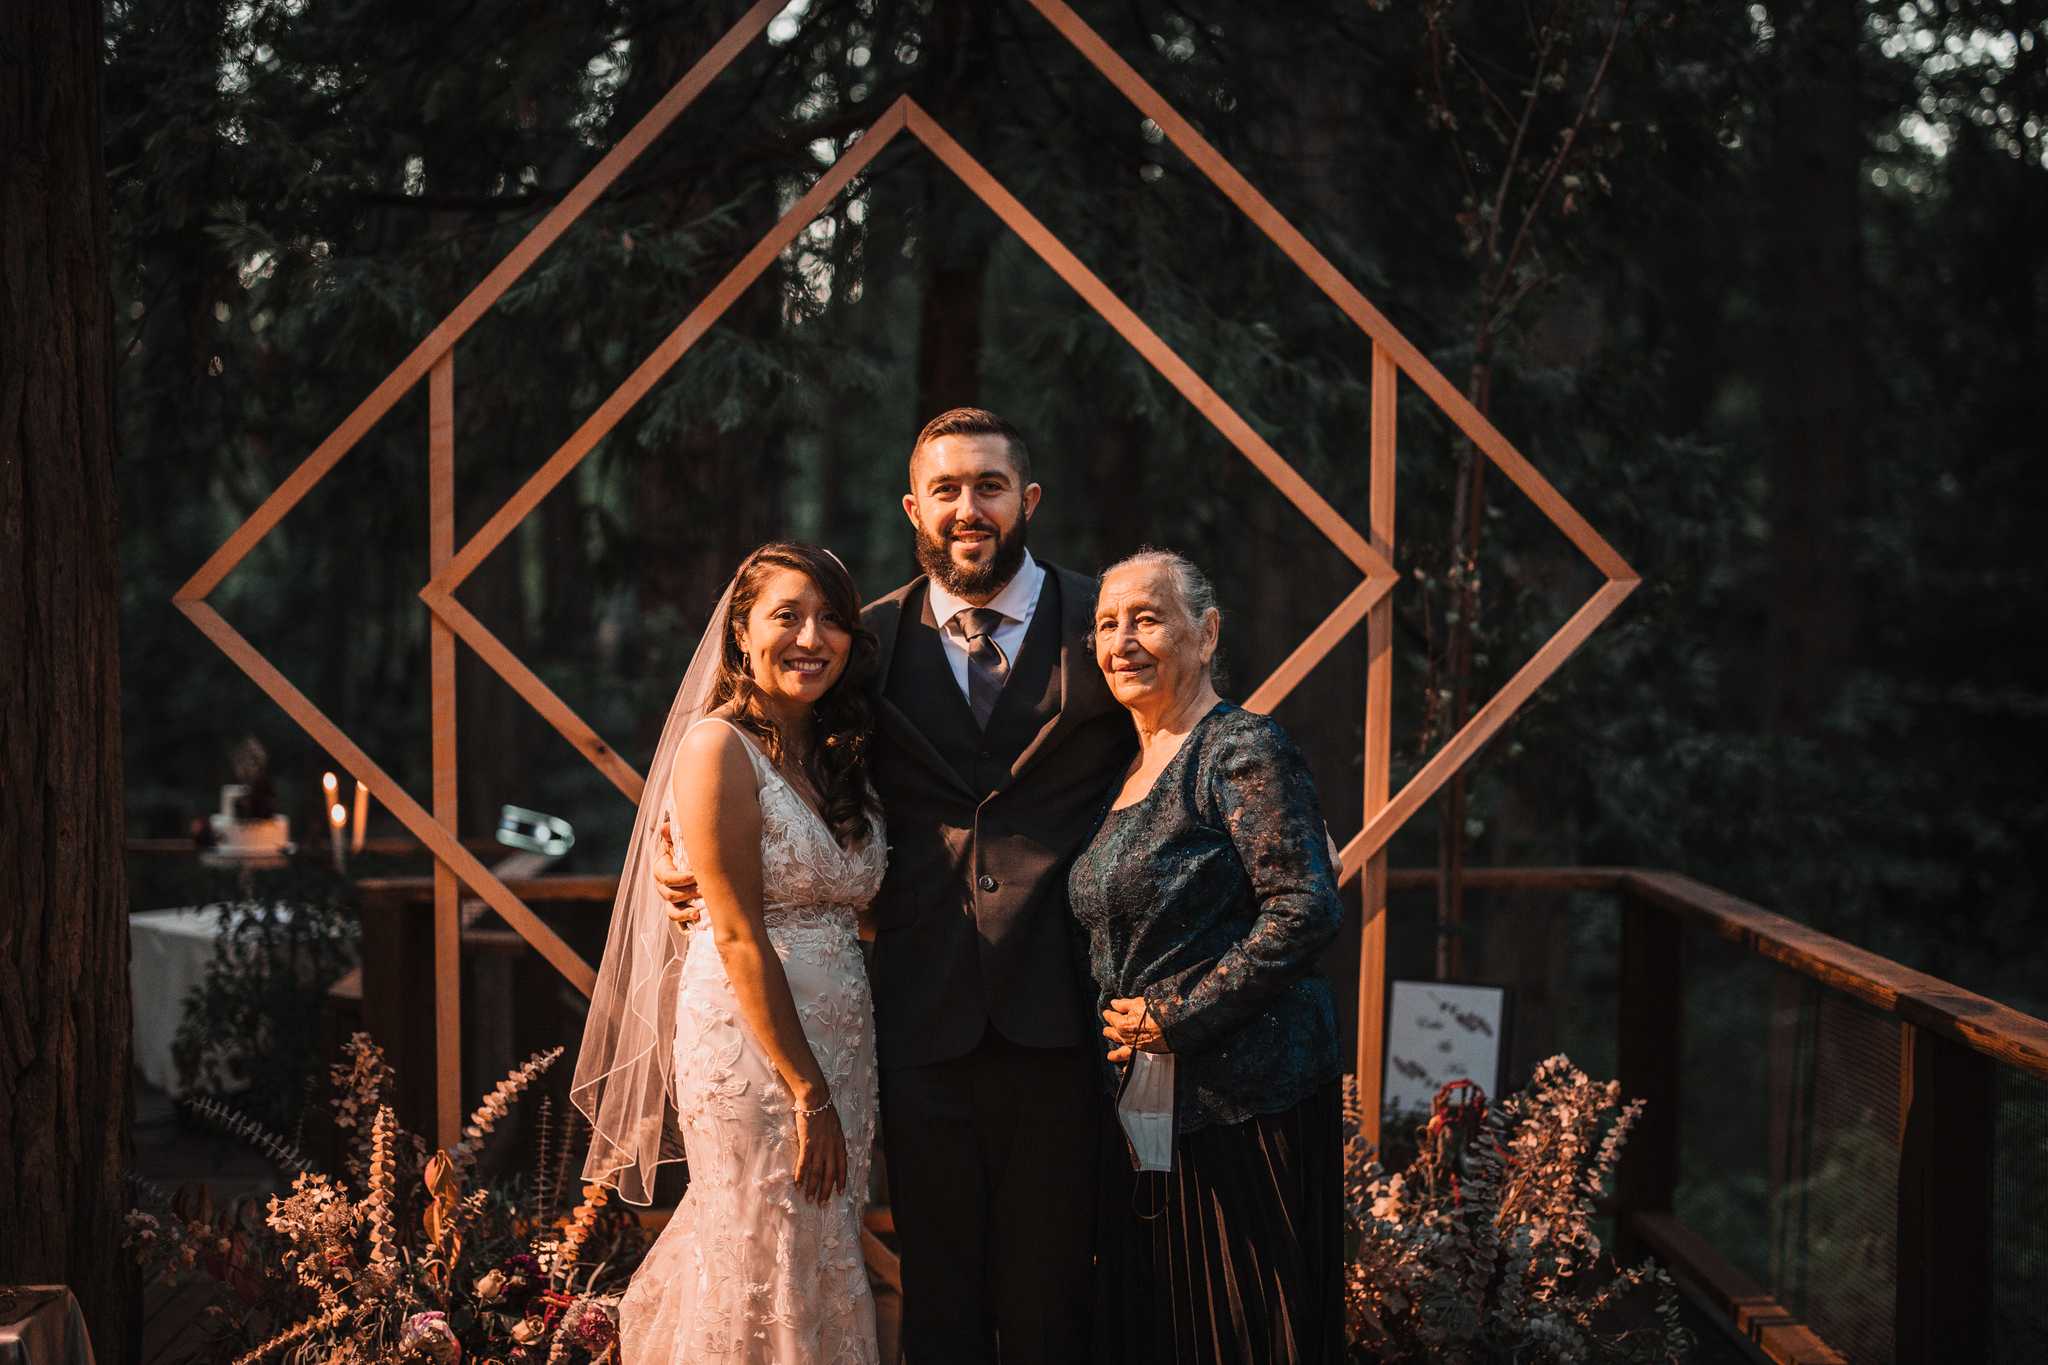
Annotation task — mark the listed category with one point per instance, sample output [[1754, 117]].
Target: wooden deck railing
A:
[[1951, 1044]]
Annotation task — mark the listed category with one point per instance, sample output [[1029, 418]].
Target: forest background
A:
[[1775, 326]]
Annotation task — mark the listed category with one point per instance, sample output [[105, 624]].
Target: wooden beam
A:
[[552, 891], [441, 664], [1340, 291], [1379, 742], [451, 617], [1551, 879], [395, 798], [1488, 720], [671, 349], [1311, 650], [1740, 1304], [1983, 1025], [1147, 343], [442, 339]]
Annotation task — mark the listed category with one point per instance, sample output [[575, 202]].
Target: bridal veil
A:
[[625, 1074]]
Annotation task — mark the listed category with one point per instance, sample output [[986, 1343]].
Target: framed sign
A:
[[1442, 1031]]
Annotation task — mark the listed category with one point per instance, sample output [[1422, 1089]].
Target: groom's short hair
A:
[[973, 422]]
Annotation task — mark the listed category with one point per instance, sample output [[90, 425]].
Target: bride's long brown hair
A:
[[842, 721]]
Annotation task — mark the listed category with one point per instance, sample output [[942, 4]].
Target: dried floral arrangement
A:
[[1483, 1249], [402, 1260]]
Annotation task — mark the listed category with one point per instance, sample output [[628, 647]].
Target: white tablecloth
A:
[[40, 1325], [168, 952]]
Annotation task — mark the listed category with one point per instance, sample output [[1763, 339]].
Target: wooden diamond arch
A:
[[1390, 356]]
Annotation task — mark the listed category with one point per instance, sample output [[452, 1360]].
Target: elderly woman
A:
[[1207, 894]]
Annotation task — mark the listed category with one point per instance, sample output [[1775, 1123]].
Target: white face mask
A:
[[1144, 1106]]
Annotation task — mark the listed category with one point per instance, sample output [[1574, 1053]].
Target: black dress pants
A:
[[992, 1167]]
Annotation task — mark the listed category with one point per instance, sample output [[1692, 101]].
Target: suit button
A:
[[986, 882]]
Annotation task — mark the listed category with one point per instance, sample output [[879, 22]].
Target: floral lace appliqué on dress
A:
[[749, 1270]]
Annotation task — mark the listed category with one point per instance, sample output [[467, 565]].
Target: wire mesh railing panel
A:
[[2019, 1220], [1723, 1191], [1834, 1159], [1789, 1159]]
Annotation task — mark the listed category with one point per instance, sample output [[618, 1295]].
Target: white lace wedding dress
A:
[[749, 1270]]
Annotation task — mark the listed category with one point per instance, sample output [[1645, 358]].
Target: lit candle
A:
[[330, 789], [362, 816], [337, 816]]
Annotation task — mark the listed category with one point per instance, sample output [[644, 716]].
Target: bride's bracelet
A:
[[812, 1113]]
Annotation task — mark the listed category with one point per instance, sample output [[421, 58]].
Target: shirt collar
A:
[[1012, 602]]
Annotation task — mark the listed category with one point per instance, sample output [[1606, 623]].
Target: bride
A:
[[749, 1038]]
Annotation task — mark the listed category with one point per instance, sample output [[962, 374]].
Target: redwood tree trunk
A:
[[63, 929]]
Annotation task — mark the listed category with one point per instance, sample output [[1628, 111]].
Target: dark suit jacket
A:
[[972, 929]]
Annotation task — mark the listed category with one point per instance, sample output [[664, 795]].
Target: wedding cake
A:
[[236, 838]]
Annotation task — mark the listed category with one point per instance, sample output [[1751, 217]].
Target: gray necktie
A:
[[987, 666]]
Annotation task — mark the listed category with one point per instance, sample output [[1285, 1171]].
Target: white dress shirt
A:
[[1016, 602]]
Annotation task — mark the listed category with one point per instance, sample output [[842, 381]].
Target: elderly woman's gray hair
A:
[[1194, 593]]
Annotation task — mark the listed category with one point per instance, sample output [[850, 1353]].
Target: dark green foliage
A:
[[251, 1031]]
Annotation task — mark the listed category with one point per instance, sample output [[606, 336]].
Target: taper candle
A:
[[362, 816], [337, 816]]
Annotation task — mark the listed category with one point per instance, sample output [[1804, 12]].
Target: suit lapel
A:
[[887, 619], [1082, 692]]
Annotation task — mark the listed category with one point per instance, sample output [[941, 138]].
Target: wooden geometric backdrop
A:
[[1389, 356]]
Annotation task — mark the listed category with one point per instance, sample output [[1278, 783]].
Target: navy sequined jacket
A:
[[1213, 897]]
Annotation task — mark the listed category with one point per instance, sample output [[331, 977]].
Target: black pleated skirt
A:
[[1236, 1256]]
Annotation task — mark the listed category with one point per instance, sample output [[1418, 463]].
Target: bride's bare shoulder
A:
[[710, 750]]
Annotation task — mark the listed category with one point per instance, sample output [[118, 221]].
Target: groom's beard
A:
[[935, 557]]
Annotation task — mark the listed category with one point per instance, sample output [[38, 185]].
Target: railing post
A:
[[1651, 1007], [1948, 1109]]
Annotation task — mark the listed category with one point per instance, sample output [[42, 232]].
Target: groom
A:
[[998, 742], [996, 746]]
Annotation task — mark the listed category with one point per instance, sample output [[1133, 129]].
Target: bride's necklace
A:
[[799, 774]]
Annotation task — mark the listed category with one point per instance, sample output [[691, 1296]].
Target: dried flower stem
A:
[[581, 1224], [319, 1322], [383, 1188]]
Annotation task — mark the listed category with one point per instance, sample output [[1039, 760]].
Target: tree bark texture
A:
[[64, 1008]]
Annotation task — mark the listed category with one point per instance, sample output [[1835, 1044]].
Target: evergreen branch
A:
[[236, 1124], [543, 1156], [575, 1135], [496, 1105]]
